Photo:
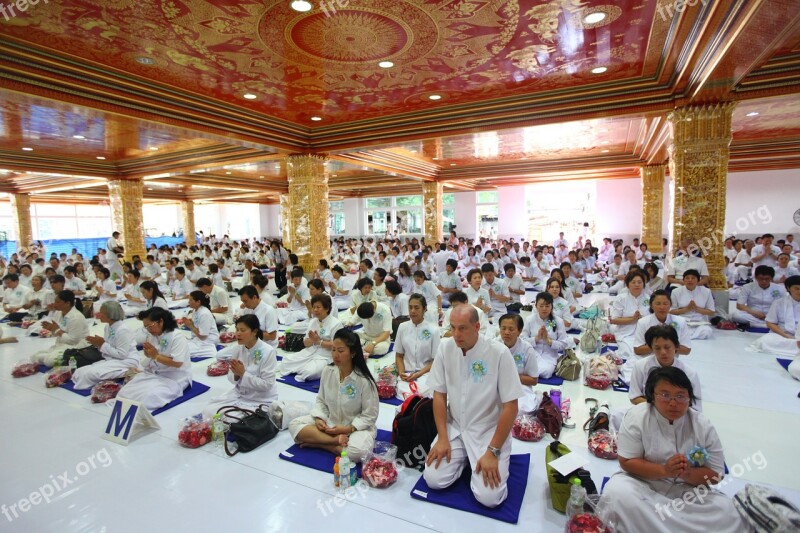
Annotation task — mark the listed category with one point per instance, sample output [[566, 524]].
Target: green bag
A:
[[560, 486]]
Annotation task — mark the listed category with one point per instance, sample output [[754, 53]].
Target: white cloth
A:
[[309, 362], [119, 354], [75, 328], [206, 326], [681, 263], [499, 287], [754, 297], [417, 344], [623, 307], [219, 298], [267, 320], [527, 360], [547, 353]]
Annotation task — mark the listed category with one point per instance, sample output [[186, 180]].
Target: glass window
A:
[[487, 197], [378, 221], [336, 223], [378, 202], [56, 228], [448, 219], [408, 221], [448, 198], [54, 210], [408, 201], [336, 206]]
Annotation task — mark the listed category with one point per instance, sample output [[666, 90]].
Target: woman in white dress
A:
[[405, 278], [168, 370], [309, 362], [68, 327], [476, 295], [655, 283], [105, 287], [627, 309], [346, 410], [117, 346], [339, 290], [525, 357], [425, 287], [561, 307], [202, 325], [546, 332], [415, 346], [252, 370], [783, 321], [152, 295], [654, 445]]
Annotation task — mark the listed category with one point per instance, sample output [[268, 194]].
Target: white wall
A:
[[619, 208], [762, 202], [512, 212], [466, 214], [269, 216], [162, 219], [354, 217]]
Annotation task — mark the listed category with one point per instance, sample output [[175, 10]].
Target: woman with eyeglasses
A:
[[167, 370], [668, 452]]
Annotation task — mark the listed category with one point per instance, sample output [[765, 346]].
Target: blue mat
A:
[[322, 460], [574, 331], [70, 386], [605, 349], [617, 388], [784, 362], [195, 389], [757, 330], [198, 359], [553, 380], [313, 386], [459, 494], [391, 349]]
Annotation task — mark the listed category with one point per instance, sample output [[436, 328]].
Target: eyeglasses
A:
[[151, 325], [667, 397]]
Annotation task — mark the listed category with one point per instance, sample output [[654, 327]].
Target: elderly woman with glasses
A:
[[117, 348], [667, 453]]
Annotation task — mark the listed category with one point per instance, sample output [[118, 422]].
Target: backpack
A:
[[414, 428], [550, 416], [568, 366], [765, 510]]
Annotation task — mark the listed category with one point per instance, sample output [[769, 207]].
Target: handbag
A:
[[83, 356], [250, 430], [293, 342], [396, 324], [590, 340], [560, 486], [550, 416], [568, 366]]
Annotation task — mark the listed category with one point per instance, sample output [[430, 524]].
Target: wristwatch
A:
[[495, 451]]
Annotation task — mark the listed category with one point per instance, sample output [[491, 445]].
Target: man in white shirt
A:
[[755, 299], [73, 282], [561, 240], [499, 297], [15, 295], [683, 262], [152, 270], [297, 295], [793, 243], [377, 321], [480, 380], [440, 258], [765, 253], [743, 261], [220, 301], [695, 303], [448, 280], [113, 250], [267, 317]]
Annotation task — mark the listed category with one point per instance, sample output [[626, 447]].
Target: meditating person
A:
[[345, 413], [252, 370], [546, 332], [377, 328], [309, 362], [627, 310], [117, 346], [266, 314], [561, 307], [416, 344], [525, 358], [653, 444], [168, 368], [476, 294], [695, 303], [425, 287], [515, 287], [15, 296], [338, 288], [362, 292], [475, 388], [152, 295], [532, 276], [69, 329], [104, 287], [460, 298], [398, 301], [181, 286], [448, 281], [201, 324], [39, 297], [132, 293], [755, 299], [655, 283], [783, 321]]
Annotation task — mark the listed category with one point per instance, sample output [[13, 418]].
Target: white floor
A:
[[156, 483]]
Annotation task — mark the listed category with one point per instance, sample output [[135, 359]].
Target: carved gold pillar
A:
[[125, 197], [286, 221], [21, 209], [187, 212], [701, 138], [308, 209], [652, 205], [432, 211]]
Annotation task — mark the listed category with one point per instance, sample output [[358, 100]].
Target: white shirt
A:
[[753, 296], [175, 345], [430, 292], [681, 263], [351, 402], [74, 284], [677, 322], [448, 281], [525, 358], [482, 319], [267, 320], [18, 296], [206, 325], [642, 368], [702, 297], [477, 384], [45, 297], [75, 328], [399, 305], [380, 322], [302, 292], [555, 331], [417, 344], [326, 330], [501, 289], [109, 290], [120, 344], [257, 384], [473, 295], [516, 284], [440, 260], [182, 287], [786, 313], [219, 298], [770, 260], [625, 306]]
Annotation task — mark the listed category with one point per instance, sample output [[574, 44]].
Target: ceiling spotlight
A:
[[144, 60], [452, 164], [752, 114], [301, 5], [78, 137], [261, 177], [599, 70], [228, 173], [249, 96], [435, 97], [27, 149], [100, 157], [604, 151], [316, 119], [153, 148], [594, 18], [386, 64]]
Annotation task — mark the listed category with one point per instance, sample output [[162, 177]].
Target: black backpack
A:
[[413, 430]]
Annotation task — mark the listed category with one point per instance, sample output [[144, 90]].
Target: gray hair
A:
[[113, 310]]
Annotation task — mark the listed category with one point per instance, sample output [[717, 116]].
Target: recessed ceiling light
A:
[[594, 18], [301, 5], [452, 164], [262, 177], [249, 96], [228, 173], [386, 64], [78, 137], [435, 158], [435, 97], [153, 148], [100, 157], [603, 142], [316, 119], [604, 151], [27, 149], [144, 60], [599, 70], [149, 188], [752, 114]]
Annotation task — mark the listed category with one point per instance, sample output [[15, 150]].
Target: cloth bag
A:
[[568, 366], [560, 486]]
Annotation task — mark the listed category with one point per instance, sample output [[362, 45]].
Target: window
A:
[[448, 219], [336, 223], [487, 197], [378, 202], [408, 221], [336, 206], [401, 214], [448, 198], [408, 201], [378, 221]]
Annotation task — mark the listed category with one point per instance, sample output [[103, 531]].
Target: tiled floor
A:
[[154, 483]]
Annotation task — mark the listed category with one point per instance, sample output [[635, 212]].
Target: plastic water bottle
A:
[[336, 482], [344, 468], [577, 497], [73, 364], [218, 431], [353, 473], [555, 395]]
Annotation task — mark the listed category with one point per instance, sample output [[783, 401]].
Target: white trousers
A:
[[90, 375], [359, 444]]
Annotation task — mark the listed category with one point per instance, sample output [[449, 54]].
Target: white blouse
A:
[[172, 344], [417, 344], [257, 384], [351, 402]]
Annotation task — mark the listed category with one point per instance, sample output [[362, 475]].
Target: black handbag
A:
[[83, 356], [250, 430], [293, 342]]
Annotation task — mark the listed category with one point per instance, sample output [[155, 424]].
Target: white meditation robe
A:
[[309, 362], [786, 313], [417, 344], [119, 354]]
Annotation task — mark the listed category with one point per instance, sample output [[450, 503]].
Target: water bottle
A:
[[336, 481], [577, 497], [555, 395], [218, 431], [353, 473], [344, 468], [73, 364]]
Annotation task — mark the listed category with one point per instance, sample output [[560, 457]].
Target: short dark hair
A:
[[250, 291], [67, 296], [296, 273], [366, 310], [417, 296], [764, 270], [317, 284], [204, 282], [487, 267], [393, 288], [515, 317], [156, 314], [673, 376], [452, 263], [691, 272], [323, 299], [363, 281], [459, 297], [791, 281], [662, 332]]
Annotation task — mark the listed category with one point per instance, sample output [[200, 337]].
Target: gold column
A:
[[308, 209], [187, 210], [652, 205], [286, 221], [698, 165], [21, 208], [432, 211], [126, 212]]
